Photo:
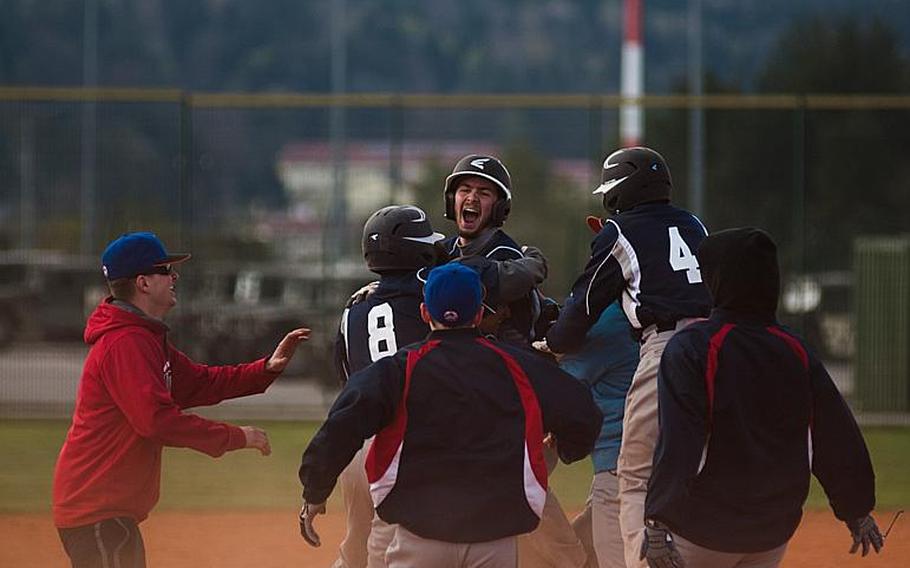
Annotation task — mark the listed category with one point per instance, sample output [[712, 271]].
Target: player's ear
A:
[[478, 317], [142, 283], [425, 314]]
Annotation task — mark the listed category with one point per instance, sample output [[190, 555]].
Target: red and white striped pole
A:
[[631, 120]]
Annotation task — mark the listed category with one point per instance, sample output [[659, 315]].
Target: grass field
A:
[[245, 480]]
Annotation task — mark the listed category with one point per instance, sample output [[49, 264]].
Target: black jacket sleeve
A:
[[366, 405], [840, 459], [683, 419], [599, 285], [568, 410]]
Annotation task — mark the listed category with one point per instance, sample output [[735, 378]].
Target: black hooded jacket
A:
[[746, 413]]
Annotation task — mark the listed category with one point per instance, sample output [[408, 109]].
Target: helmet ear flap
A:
[[501, 210], [449, 197], [611, 201]]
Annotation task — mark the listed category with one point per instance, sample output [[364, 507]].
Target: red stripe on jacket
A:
[[793, 343], [533, 415], [383, 449], [714, 345]]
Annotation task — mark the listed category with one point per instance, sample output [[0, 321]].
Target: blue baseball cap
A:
[[453, 294], [131, 254]]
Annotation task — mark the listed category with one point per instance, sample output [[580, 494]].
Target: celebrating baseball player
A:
[[130, 403], [747, 412], [457, 464], [478, 198], [397, 241], [644, 256]]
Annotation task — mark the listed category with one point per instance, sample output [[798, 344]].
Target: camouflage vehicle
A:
[[232, 313], [46, 295]]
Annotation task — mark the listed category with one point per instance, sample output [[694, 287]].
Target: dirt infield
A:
[[270, 539]]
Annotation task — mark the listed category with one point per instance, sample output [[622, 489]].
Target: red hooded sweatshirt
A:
[[129, 405]]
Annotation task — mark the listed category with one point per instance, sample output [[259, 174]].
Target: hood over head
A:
[[740, 268]]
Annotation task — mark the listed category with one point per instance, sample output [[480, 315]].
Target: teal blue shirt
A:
[[606, 362]]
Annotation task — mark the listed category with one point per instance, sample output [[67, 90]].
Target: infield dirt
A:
[[270, 539]]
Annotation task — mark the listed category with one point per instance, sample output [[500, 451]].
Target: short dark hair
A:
[[123, 288]]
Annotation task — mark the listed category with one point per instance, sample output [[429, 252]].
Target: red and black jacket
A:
[[459, 423], [746, 413]]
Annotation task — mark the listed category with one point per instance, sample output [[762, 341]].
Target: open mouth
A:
[[469, 214]]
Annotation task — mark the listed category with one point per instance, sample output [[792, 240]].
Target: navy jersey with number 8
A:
[[377, 327]]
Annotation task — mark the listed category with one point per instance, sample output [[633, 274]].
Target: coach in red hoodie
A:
[[130, 403]]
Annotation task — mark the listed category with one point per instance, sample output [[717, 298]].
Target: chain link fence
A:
[[270, 191]]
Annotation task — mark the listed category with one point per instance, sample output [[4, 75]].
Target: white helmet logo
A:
[[479, 162]]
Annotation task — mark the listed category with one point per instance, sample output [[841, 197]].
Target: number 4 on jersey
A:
[[681, 258]]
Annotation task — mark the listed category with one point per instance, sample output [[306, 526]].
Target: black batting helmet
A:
[[399, 237], [487, 167], [632, 176]]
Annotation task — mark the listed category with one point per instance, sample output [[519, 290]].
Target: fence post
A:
[[185, 163], [396, 142]]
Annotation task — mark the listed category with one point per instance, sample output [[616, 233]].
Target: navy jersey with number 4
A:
[[646, 258], [380, 325]]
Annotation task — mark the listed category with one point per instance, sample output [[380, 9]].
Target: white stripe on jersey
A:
[[704, 455], [625, 255], [344, 334], [700, 224], [811, 454]]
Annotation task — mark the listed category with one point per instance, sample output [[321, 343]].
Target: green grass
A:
[[245, 479]]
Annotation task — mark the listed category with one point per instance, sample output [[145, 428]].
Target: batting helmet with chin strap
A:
[[487, 167], [632, 176], [399, 237]]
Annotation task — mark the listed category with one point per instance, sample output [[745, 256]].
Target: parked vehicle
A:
[[46, 295], [239, 313], [820, 306]]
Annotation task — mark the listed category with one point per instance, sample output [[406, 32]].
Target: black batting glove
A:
[[307, 515], [865, 532], [658, 548]]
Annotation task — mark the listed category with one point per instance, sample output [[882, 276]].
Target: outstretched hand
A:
[[865, 533], [285, 350]]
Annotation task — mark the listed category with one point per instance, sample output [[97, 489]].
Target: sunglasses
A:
[[165, 270]]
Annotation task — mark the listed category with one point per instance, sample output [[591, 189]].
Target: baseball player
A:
[[478, 198], [134, 388], [747, 412], [457, 464], [644, 257], [397, 241]]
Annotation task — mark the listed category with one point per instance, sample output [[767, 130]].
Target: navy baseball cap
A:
[[453, 294], [136, 253]]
